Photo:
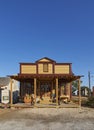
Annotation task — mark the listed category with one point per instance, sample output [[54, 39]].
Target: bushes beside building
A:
[[90, 102]]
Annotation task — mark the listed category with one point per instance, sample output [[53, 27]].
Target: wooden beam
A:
[[57, 91], [68, 89], [39, 89], [79, 90], [51, 88], [35, 89]]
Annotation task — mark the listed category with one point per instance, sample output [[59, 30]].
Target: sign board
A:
[[5, 96]]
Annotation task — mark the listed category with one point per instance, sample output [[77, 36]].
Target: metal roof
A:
[[4, 81]]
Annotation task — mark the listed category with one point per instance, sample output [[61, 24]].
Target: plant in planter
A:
[[27, 98]]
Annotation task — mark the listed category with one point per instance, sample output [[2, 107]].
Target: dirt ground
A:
[[47, 119]]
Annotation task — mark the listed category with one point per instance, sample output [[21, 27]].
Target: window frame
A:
[[45, 67]]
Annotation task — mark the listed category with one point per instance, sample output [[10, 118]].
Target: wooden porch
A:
[[44, 105], [43, 77], [54, 85], [48, 103]]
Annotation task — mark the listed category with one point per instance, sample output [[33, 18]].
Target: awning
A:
[[65, 78]]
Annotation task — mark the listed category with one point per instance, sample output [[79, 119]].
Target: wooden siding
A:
[[40, 69], [44, 60], [28, 69], [61, 69]]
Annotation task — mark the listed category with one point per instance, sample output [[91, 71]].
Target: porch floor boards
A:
[[41, 105]]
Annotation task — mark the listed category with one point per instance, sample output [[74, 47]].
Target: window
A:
[[45, 67], [5, 97]]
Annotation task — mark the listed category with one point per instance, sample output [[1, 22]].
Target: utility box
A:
[[5, 96]]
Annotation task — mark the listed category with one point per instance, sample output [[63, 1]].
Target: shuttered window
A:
[[45, 67]]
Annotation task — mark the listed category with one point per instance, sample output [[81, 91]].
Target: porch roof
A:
[[63, 77]]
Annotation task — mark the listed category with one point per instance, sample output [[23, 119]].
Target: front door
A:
[[45, 89]]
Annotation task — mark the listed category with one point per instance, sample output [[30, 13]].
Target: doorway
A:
[[45, 89]]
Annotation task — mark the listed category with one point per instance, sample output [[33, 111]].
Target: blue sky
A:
[[62, 30]]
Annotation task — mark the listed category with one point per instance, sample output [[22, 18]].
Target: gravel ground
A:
[[47, 119]]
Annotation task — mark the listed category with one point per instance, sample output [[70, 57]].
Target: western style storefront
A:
[[44, 77]]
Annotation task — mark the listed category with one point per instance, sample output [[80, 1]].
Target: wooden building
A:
[[84, 91], [45, 76], [93, 91], [5, 85]]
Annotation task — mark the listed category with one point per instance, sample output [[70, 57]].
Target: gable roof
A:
[[4, 81], [46, 59]]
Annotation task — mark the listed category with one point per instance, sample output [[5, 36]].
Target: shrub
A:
[[90, 102]]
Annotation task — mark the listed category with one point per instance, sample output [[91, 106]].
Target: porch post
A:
[[35, 89], [56, 91], [11, 93], [79, 90], [51, 88], [68, 90], [52, 85], [39, 89]]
